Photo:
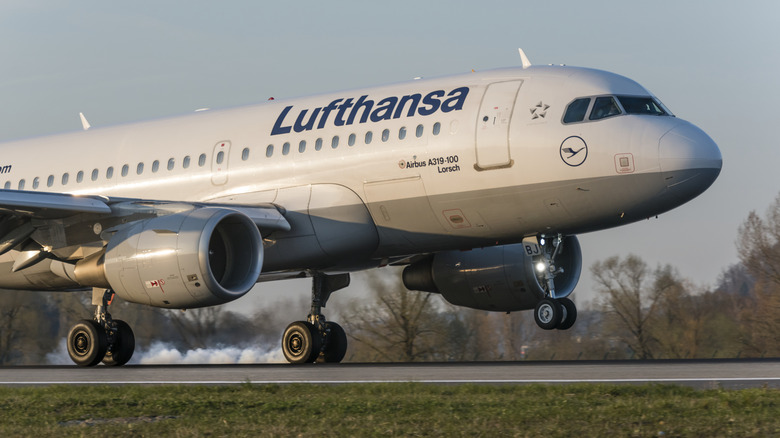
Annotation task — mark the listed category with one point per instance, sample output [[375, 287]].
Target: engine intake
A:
[[498, 278], [198, 258]]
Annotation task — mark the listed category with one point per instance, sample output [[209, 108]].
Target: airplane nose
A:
[[690, 161]]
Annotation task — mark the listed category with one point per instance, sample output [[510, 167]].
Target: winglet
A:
[[526, 62], [84, 122]]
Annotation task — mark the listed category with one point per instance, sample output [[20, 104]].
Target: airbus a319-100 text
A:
[[478, 183]]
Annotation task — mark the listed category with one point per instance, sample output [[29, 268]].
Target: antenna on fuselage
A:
[[526, 62], [84, 123]]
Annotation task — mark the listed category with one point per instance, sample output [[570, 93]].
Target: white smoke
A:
[[163, 354]]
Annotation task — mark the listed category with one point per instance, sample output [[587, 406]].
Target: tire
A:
[[87, 343], [548, 314], [124, 345], [569, 314], [301, 343], [335, 343]]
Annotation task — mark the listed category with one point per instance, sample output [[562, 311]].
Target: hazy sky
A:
[[714, 63]]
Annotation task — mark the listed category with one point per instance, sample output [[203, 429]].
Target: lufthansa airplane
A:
[[477, 183]]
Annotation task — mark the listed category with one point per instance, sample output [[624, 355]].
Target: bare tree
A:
[[28, 326], [759, 251], [632, 295], [399, 325]]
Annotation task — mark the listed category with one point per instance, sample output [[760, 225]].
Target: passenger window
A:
[[269, 150], [65, 178], [21, 184], [369, 137], [436, 128], [220, 157], [202, 160], [335, 142], [36, 182], [7, 185], [245, 154], [402, 133], [50, 181], [419, 131], [185, 163], [385, 135], [302, 146], [80, 176], [351, 140], [171, 163], [95, 174], [286, 148], [604, 107], [140, 168], [576, 110], [155, 166], [125, 170], [318, 144], [110, 172]]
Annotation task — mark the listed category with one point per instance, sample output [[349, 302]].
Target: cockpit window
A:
[[641, 105], [604, 107], [576, 110]]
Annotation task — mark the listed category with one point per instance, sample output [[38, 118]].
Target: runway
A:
[[729, 374]]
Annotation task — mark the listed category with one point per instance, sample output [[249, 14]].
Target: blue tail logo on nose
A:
[[574, 151]]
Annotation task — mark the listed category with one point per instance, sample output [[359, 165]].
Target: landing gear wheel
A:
[[87, 343], [548, 314], [124, 345], [301, 342], [335, 343], [569, 314]]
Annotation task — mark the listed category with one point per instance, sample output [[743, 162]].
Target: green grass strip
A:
[[388, 410]]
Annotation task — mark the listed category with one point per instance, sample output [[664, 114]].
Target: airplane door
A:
[[219, 163], [492, 142]]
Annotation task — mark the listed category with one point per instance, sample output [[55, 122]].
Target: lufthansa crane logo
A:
[[574, 151]]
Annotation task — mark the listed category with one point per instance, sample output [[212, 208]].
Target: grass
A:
[[387, 410]]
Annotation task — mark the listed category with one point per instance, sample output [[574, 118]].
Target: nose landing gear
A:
[[552, 312]]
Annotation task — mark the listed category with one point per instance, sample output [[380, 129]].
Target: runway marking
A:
[[434, 381]]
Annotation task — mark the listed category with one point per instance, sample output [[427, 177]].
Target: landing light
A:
[[541, 266]]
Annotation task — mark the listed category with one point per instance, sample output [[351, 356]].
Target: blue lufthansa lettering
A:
[[392, 107], [278, 128]]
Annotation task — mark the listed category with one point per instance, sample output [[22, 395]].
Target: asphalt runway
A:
[[728, 374]]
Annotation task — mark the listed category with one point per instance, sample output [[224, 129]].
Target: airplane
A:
[[477, 183]]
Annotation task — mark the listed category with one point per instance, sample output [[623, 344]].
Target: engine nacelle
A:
[[499, 278], [198, 258]]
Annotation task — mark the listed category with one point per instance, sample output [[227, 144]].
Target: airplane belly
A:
[[330, 226]]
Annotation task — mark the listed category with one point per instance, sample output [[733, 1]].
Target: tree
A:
[[399, 325], [632, 296], [28, 327], [759, 251]]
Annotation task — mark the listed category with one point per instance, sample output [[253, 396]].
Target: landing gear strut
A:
[[317, 340], [102, 338], [552, 312]]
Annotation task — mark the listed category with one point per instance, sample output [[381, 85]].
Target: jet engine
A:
[[197, 258], [499, 278]]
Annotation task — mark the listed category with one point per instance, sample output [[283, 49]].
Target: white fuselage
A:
[[450, 163]]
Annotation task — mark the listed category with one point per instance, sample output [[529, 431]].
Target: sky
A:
[[714, 63]]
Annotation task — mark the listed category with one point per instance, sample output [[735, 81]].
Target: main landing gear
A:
[[102, 338], [317, 340], [552, 312]]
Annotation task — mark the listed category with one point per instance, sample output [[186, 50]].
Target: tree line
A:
[[641, 312]]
